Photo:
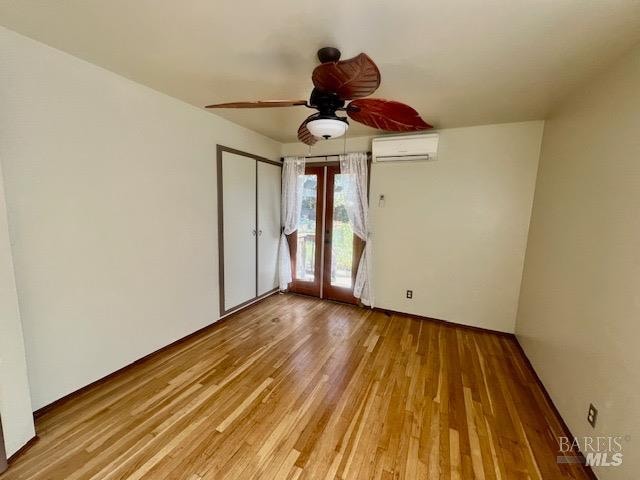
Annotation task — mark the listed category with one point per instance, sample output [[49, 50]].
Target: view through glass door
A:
[[325, 252]]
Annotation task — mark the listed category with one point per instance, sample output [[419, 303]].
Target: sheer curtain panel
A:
[[292, 184], [354, 167]]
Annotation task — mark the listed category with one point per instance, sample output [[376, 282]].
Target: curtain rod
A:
[[324, 156]]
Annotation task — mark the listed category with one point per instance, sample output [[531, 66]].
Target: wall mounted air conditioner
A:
[[402, 148]]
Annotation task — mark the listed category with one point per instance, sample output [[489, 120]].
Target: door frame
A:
[[325, 270], [297, 286], [220, 149], [4, 465], [329, 291]]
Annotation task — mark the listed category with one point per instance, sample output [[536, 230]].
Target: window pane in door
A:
[[342, 238], [306, 247]]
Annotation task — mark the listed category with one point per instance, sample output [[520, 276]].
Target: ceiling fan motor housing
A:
[[326, 102]]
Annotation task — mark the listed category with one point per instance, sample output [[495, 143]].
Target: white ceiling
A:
[[458, 62]]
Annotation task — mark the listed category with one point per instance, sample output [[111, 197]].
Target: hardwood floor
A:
[[297, 388]]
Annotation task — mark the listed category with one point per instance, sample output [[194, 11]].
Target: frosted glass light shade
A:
[[327, 128]]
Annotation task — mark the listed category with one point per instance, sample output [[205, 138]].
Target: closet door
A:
[[269, 184], [239, 230]]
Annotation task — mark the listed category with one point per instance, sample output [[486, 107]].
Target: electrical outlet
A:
[[592, 415], [409, 293]]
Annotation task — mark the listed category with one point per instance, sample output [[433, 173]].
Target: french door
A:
[[324, 251]]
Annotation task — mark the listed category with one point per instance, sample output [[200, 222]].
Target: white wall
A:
[[580, 303], [111, 194], [15, 401], [454, 231]]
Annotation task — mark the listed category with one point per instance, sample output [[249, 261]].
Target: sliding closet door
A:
[[239, 229], [269, 182]]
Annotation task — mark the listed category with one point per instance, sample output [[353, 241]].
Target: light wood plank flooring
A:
[[297, 388]]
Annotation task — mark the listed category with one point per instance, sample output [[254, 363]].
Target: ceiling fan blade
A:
[[304, 135], [259, 104], [386, 115], [354, 78]]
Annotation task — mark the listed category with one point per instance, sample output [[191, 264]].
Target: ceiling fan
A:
[[335, 82]]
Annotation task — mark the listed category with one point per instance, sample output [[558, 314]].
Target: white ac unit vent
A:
[[405, 148]]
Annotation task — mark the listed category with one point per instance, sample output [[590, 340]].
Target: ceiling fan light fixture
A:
[[328, 127]]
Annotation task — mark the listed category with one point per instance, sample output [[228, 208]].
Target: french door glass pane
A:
[[306, 248], [342, 238]]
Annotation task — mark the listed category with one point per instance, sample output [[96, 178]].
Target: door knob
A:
[[253, 232], [259, 232]]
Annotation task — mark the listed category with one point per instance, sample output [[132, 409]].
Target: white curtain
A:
[[354, 167], [292, 183]]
